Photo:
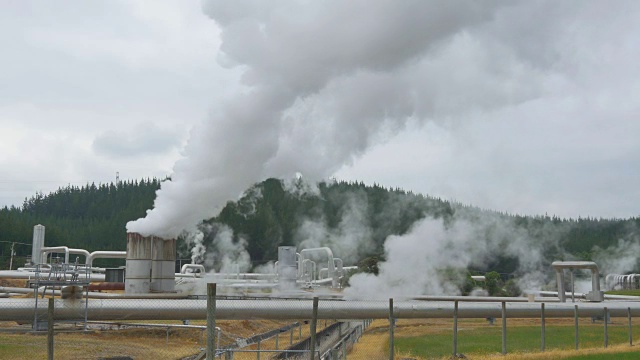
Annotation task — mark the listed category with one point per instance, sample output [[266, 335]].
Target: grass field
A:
[[432, 339]]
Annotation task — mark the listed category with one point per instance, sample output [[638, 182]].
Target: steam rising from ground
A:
[[433, 257], [224, 254]]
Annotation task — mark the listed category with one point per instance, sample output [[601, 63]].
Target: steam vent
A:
[[150, 264]]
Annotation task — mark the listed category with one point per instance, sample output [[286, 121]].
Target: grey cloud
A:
[[146, 139]]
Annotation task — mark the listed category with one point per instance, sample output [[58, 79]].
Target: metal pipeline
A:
[[52, 249], [105, 255], [94, 295], [330, 262], [197, 268], [559, 266], [152, 309], [16, 274]]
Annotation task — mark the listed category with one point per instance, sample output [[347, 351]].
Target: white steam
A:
[[433, 257], [349, 240], [323, 81]]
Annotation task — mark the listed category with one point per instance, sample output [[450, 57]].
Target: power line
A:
[[15, 242]]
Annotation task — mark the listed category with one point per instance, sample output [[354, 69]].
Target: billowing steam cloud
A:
[[325, 80], [434, 256], [322, 82]]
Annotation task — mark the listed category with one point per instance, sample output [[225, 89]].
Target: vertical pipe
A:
[[575, 313], [35, 296], [314, 323], [542, 335], [630, 328], [504, 328], [606, 327], [391, 329], [211, 320], [86, 306], [50, 330], [560, 281], [573, 293], [455, 329]]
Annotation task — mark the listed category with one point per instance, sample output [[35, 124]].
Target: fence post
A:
[[504, 328], [606, 327], [391, 329], [575, 314], [630, 333], [291, 337], [259, 346], [50, 329], [211, 320], [314, 323], [455, 328], [542, 335]]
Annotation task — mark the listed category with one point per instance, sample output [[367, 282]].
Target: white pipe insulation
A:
[[197, 269], [155, 309], [45, 251], [595, 294], [331, 266], [105, 255]]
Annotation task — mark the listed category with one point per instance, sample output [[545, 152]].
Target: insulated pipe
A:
[[308, 263], [154, 309], [94, 295], [16, 274], [595, 294], [105, 255], [339, 264], [37, 244], [330, 263], [200, 268], [55, 249]]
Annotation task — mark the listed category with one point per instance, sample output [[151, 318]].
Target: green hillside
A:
[[274, 213]]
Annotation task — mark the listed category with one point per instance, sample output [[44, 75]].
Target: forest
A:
[[274, 213]]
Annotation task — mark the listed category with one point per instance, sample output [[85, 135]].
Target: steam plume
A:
[[322, 82]]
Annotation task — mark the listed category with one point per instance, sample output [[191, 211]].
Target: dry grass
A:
[[139, 343]]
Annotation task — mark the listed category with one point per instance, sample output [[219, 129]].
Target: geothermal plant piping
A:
[[132, 309]]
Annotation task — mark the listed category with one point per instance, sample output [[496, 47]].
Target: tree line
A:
[[271, 214]]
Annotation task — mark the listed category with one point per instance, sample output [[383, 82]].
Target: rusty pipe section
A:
[[156, 309]]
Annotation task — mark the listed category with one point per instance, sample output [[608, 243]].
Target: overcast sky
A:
[[525, 107]]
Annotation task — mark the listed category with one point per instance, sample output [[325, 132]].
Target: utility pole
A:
[[12, 253]]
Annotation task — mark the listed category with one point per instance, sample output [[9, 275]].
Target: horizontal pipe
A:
[[94, 295], [154, 309], [17, 274], [106, 286], [102, 254]]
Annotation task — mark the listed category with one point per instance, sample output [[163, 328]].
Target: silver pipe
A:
[[53, 249], [200, 268], [94, 295], [17, 274], [134, 309], [595, 294], [101, 254], [330, 263]]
